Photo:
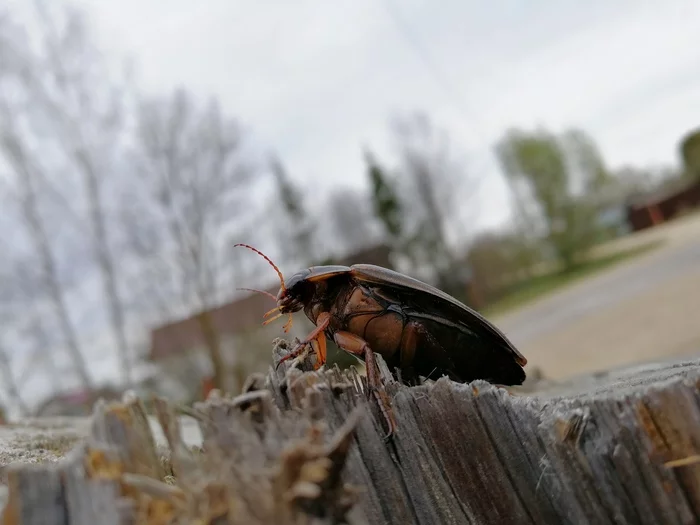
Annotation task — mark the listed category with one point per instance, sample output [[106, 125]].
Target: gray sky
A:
[[315, 81]]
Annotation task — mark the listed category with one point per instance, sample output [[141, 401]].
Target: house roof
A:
[[230, 318], [240, 315], [77, 398], [673, 189]]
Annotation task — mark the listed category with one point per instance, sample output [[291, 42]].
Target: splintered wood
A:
[[304, 447]]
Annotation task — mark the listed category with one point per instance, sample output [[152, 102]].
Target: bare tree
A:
[[295, 227], [85, 115], [350, 218], [10, 383], [27, 176], [57, 99], [41, 350], [24, 314], [194, 181], [434, 186]]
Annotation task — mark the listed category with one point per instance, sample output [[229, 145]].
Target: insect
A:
[[418, 329]]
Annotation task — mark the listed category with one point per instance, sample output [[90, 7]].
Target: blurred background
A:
[[540, 161]]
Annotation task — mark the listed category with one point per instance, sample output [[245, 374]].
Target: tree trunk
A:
[[301, 447], [211, 338]]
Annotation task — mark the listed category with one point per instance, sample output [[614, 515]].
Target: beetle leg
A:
[[317, 336], [409, 343], [319, 345], [359, 347]]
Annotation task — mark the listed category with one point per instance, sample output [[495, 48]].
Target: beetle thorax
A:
[[329, 295]]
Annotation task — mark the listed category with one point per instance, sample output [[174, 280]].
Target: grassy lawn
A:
[[542, 285]]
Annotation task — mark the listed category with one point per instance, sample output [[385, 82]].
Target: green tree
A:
[[385, 200], [559, 181], [631, 180], [690, 152], [352, 226], [586, 164], [430, 180], [296, 230]]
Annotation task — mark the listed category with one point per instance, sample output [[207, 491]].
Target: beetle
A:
[[418, 329]]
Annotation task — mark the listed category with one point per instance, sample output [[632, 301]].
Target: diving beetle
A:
[[418, 329]]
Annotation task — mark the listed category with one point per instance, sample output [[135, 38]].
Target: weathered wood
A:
[[307, 447]]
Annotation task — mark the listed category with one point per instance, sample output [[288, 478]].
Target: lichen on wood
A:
[[300, 446]]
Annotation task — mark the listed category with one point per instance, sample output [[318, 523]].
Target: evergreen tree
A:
[[385, 201], [297, 227]]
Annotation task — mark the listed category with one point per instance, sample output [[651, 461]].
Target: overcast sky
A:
[[315, 81]]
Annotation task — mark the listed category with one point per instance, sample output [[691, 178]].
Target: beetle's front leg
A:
[[316, 336], [359, 347]]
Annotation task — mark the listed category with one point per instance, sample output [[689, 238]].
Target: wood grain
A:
[[303, 447]]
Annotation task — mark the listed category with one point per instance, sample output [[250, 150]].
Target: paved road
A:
[[644, 309]]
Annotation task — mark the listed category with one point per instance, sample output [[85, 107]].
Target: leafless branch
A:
[[351, 220], [18, 158], [10, 383], [66, 87], [436, 187], [193, 181]]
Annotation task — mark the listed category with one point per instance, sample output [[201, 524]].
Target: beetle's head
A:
[[295, 293], [292, 296]]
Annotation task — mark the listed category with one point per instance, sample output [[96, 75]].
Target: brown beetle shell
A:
[[416, 328]]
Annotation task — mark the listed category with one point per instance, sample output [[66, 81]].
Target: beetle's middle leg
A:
[[356, 345]]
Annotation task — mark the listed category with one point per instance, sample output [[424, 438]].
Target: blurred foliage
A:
[[559, 181], [385, 201], [526, 290], [295, 230], [350, 221], [421, 198], [690, 152], [499, 259]]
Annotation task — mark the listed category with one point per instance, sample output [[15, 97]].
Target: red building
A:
[[649, 210]]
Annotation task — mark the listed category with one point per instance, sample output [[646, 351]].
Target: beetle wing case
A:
[[482, 350]]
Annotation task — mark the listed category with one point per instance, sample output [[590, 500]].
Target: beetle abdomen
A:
[[445, 348], [371, 320], [424, 343]]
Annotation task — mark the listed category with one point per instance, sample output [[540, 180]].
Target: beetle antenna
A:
[[279, 273], [269, 312], [288, 324], [259, 291]]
